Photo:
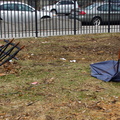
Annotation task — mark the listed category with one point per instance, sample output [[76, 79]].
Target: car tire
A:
[[96, 21], [54, 12], [45, 17]]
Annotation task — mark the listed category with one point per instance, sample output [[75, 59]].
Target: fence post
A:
[[109, 18], [74, 17], [36, 28]]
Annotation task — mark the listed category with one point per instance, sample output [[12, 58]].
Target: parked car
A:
[[20, 12], [97, 13], [62, 6]]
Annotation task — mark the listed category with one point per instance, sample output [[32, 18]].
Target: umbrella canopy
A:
[[106, 70]]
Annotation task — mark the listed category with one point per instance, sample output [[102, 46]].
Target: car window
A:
[[104, 7], [115, 1], [22, 7], [8, 7], [115, 8], [65, 2], [14, 7]]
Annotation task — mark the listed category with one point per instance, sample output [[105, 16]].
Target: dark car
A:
[[98, 13]]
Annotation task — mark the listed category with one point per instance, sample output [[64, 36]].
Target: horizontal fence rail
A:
[[39, 18]]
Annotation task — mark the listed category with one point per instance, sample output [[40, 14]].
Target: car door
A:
[[8, 13], [26, 12], [115, 13], [103, 11]]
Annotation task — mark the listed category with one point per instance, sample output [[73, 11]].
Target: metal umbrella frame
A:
[[9, 51]]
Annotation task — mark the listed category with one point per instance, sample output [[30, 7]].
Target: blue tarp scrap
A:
[[106, 71]]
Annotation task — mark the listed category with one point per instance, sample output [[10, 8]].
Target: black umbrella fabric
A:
[[106, 70]]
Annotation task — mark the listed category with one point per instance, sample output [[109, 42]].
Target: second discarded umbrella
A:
[[106, 71]]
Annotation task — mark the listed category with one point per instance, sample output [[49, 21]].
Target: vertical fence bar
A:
[[109, 18], [36, 27], [74, 17]]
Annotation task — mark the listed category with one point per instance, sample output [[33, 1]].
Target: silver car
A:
[[62, 6], [97, 13], [20, 12]]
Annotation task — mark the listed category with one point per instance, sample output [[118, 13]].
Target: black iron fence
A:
[[38, 18]]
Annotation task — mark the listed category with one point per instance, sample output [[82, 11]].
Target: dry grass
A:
[[64, 90]]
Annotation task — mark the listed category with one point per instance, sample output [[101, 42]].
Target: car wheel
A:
[[54, 12], [45, 17], [96, 21]]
